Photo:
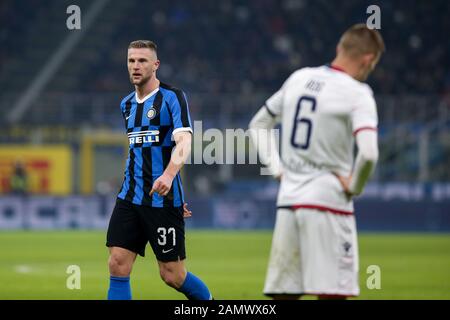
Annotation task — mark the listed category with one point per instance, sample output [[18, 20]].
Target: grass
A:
[[33, 265]]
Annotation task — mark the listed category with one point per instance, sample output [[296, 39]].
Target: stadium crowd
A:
[[231, 55], [240, 47]]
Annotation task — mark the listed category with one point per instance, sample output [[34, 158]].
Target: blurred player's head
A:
[[360, 49], [142, 61]]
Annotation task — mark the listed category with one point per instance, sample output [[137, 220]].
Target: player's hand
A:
[[278, 177], [345, 183], [162, 185], [186, 212]]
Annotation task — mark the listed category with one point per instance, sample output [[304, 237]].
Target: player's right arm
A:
[[263, 136]]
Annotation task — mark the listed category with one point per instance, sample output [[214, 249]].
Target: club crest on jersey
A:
[[151, 113]]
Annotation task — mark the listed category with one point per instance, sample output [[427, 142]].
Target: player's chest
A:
[[148, 113]]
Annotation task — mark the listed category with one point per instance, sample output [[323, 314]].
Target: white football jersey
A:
[[320, 110]]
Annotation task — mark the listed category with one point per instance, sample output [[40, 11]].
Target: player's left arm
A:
[[179, 156], [366, 160], [364, 120], [182, 135], [182, 150]]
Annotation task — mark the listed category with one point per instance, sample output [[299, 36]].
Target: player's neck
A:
[[151, 85], [345, 65]]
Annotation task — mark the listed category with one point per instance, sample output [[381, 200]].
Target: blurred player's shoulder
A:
[[333, 83], [342, 78], [340, 82], [357, 94], [321, 72], [298, 75]]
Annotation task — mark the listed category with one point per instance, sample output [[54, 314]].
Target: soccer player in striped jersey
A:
[[150, 205], [322, 111]]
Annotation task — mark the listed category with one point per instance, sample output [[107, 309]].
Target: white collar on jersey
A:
[[146, 97]]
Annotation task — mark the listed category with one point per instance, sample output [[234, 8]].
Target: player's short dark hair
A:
[[359, 40], [140, 44]]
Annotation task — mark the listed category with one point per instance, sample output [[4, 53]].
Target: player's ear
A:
[[156, 65], [368, 59]]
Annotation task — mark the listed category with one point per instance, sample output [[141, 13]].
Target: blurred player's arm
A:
[[366, 160], [263, 138], [261, 130], [177, 160], [364, 123]]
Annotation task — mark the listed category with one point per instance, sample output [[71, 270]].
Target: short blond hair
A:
[[140, 44], [359, 40]]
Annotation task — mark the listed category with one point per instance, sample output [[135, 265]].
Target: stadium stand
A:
[[236, 54]]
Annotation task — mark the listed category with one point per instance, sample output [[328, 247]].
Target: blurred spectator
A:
[[19, 180]]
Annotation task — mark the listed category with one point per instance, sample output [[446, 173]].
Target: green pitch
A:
[[233, 263]]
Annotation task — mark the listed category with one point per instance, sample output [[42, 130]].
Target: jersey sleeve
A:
[[274, 104], [180, 113], [122, 108], [125, 105], [364, 114]]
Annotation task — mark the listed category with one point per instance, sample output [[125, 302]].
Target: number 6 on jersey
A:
[[303, 102]]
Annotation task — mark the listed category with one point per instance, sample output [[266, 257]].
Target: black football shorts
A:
[[131, 226]]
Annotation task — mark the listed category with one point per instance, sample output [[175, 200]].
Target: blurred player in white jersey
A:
[[322, 111]]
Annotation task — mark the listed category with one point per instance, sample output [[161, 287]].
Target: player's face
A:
[[142, 65]]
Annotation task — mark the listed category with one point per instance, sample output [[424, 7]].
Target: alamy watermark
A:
[[228, 146], [73, 21], [374, 20], [74, 279], [374, 279]]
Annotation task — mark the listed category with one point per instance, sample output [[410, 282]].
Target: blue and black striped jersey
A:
[[150, 124]]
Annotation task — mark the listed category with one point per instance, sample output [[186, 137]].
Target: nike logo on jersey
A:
[[165, 251], [126, 118]]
